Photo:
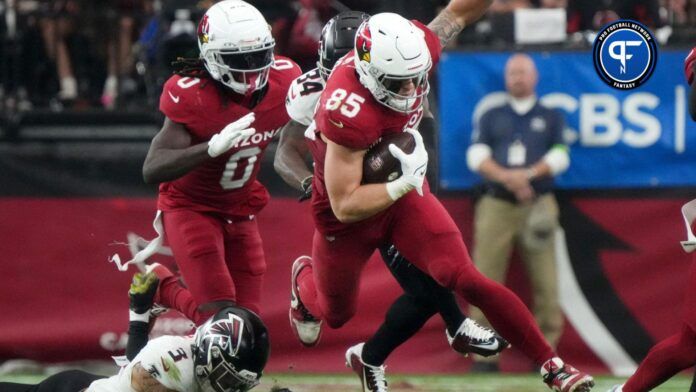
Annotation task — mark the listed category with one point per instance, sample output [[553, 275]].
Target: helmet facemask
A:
[[386, 88], [236, 45], [322, 64], [223, 377], [391, 86], [244, 71]]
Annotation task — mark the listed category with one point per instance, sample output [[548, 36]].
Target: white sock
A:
[[144, 317]]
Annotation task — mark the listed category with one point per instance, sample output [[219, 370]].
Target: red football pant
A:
[[175, 296], [425, 234], [674, 354], [218, 260], [665, 359]]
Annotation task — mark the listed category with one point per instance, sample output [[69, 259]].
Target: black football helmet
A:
[[338, 38], [230, 351]]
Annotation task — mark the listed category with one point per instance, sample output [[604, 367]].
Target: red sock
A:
[[308, 292], [665, 359], [174, 296]]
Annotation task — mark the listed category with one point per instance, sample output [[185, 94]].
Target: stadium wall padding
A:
[[61, 300]]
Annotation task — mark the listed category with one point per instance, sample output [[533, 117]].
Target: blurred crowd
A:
[[82, 54]]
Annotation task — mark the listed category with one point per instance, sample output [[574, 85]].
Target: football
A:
[[379, 164]]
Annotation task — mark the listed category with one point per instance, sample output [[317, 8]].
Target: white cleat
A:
[[306, 327], [371, 377]]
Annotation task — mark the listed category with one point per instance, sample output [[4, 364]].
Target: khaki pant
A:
[[499, 226]]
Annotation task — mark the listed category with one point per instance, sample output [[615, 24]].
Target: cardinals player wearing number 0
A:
[[375, 91], [222, 111]]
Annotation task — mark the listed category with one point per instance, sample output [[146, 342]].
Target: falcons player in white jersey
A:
[[226, 354], [165, 363]]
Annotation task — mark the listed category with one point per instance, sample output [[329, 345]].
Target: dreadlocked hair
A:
[[191, 67], [194, 68]]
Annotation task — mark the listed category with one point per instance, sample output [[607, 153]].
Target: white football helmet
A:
[[390, 50], [236, 45]]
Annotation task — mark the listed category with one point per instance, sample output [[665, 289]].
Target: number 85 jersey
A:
[[347, 114], [226, 184]]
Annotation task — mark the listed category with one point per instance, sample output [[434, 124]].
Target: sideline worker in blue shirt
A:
[[518, 149]]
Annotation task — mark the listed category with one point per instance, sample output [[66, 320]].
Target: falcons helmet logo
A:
[[227, 334]]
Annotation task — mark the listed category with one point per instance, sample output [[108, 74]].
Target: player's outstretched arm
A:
[[171, 154], [457, 15], [289, 161]]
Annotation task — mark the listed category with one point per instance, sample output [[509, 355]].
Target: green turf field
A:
[[409, 383]]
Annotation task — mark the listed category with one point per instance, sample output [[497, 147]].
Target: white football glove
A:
[[225, 139], [413, 168]]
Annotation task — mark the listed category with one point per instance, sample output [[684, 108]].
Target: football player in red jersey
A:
[[422, 297], [377, 90], [677, 352], [222, 111]]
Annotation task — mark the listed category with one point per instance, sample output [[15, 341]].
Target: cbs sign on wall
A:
[[641, 137]]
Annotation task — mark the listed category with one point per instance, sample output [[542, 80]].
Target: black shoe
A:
[[473, 338]]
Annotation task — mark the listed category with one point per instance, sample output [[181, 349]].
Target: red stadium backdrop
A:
[[622, 277]]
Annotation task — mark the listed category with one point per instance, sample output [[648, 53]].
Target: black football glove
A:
[[306, 189]]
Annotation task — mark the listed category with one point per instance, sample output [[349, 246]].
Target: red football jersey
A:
[[225, 184], [348, 114]]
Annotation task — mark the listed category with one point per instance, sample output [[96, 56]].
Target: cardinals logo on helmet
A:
[[363, 42], [203, 29]]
